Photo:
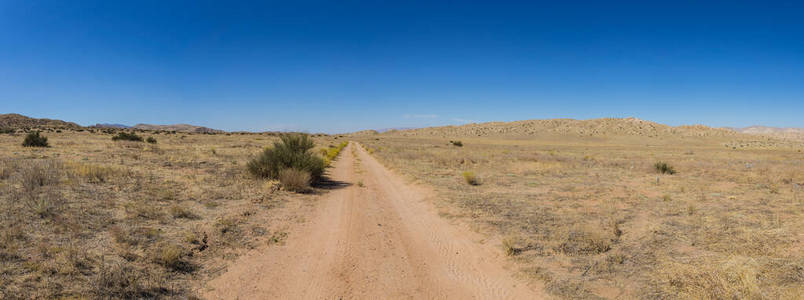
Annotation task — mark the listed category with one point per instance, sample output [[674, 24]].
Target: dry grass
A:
[[586, 213], [90, 217], [295, 180]]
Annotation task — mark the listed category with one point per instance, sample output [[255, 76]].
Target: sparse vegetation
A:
[[470, 178], [664, 168], [456, 143], [113, 222], [152, 140], [33, 139], [587, 220], [127, 136]]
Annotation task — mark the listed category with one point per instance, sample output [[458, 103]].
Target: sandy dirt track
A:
[[378, 241]]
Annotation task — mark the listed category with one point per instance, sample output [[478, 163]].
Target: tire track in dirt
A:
[[378, 241]]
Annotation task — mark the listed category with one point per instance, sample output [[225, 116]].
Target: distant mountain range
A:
[[174, 127], [593, 127], [177, 127], [17, 121], [105, 125]]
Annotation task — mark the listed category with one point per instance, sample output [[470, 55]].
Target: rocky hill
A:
[[784, 133], [177, 127], [17, 121], [593, 127]]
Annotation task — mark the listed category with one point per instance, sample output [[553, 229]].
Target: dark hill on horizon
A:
[[18, 121]]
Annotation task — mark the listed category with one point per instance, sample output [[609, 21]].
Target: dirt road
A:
[[373, 239]]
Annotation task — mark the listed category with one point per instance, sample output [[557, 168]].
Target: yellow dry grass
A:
[[90, 217], [584, 211]]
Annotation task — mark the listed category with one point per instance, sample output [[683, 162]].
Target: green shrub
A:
[[6, 130], [151, 140], [293, 151], [664, 168], [456, 143], [294, 180], [126, 136], [33, 139], [470, 178]]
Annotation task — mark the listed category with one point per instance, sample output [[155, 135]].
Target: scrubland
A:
[[89, 217], [590, 215]]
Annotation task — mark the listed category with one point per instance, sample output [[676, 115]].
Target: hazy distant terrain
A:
[[786, 133], [178, 128]]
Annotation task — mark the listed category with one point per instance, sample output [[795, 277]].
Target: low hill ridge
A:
[[177, 127], [592, 127], [18, 121], [778, 132]]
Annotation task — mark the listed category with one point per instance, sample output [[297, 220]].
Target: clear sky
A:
[[336, 66]]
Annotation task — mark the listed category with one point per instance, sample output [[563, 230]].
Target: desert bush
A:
[[36, 174], [293, 151], [151, 140], [170, 256], [126, 136], [178, 211], [470, 178], [585, 241], [456, 143], [664, 168], [33, 139], [294, 180], [6, 130], [45, 205]]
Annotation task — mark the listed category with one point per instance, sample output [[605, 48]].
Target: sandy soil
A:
[[379, 240]]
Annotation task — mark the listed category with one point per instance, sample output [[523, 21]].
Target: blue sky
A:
[[336, 66]]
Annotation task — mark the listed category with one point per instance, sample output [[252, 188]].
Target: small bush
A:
[[126, 136], [470, 178], [33, 139], [456, 143], [586, 241], [295, 180], [171, 256], [152, 140], [664, 168], [6, 130], [293, 151], [178, 211], [46, 204]]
